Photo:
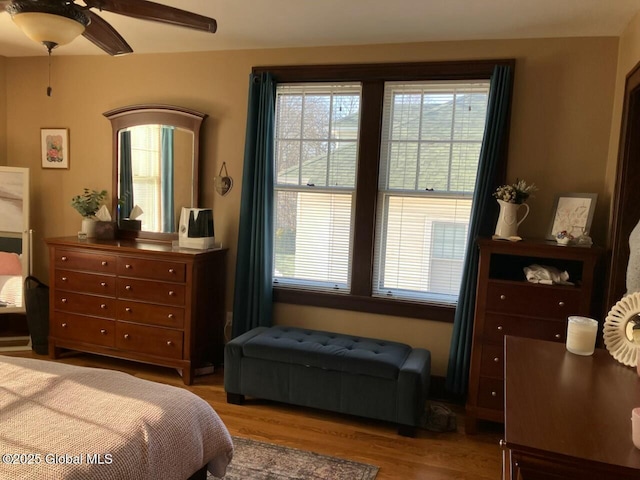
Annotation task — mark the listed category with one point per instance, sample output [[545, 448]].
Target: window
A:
[[145, 167], [375, 169], [432, 134]]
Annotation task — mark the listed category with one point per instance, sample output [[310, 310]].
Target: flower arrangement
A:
[[517, 192], [89, 202]]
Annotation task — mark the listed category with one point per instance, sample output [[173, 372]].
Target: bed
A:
[[10, 278], [66, 422]]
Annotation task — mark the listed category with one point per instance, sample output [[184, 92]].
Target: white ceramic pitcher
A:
[[508, 222]]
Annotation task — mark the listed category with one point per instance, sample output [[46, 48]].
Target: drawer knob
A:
[[64, 259], [64, 325], [500, 327], [169, 343], [105, 263], [127, 266], [494, 394], [64, 300], [103, 284], [172, 293], [103, 306], [127, 309], [503, 297], [561, 304], [502, 443], [64, 279], [103, 331], [126, 335], [171, 316], [558, 336], [171, 270], [127, 287], [496, 359]]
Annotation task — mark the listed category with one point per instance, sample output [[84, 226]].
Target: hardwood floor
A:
[[432, 456]]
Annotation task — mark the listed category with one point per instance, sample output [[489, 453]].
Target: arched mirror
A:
[[155, 168]]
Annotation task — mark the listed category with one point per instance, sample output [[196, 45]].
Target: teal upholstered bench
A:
[[361, 376]]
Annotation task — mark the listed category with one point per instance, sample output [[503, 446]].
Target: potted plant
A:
[[87, 205]]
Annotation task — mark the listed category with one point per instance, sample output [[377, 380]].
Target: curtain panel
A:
[[253, 298], [481, 224]]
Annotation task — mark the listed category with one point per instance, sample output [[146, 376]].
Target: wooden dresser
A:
[[507, 304], [137, 300]]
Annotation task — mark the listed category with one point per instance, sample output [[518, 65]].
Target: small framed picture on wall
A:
[[55, 147]]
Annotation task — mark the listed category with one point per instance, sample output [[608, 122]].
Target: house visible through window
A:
[[375, 170]]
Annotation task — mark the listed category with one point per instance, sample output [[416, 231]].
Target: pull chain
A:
[[49, 85]]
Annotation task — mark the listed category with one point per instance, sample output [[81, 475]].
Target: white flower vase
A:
[[89, 226], [507, 225]]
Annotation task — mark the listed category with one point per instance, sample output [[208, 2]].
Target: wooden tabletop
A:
[[565, 405]]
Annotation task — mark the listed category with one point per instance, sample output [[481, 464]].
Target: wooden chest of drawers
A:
[[139, 301], [506, 304]]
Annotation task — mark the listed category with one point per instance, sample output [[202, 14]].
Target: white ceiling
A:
[[249, 24]]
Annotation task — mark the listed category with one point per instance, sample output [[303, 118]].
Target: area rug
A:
[[253, 460]]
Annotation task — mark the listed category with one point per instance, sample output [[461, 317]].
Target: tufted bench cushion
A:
[[356, 375], [331, 351]]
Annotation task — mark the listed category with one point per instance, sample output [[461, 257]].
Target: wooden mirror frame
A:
[[145, 114], [626, 208]]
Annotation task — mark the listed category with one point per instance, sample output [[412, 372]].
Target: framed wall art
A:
[[573, 213], [55, 147]]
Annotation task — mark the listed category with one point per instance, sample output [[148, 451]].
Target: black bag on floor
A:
[[36, 300]]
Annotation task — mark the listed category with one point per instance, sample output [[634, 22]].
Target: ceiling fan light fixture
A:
[[50, 24]]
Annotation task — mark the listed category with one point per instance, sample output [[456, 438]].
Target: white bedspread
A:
[[52, 414]]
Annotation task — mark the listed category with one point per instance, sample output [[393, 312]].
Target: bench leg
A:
[[407, 430], [235, 398]]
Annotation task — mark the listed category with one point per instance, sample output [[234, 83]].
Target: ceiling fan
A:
[[56, 22]]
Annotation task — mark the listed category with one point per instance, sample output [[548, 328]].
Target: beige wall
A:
[[560, 128], [628, 58]]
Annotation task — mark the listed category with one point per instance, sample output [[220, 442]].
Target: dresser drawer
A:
[[85, 304], [80, 328], [85, 282], [149, 291], [150, 314], [161, 342], [533, 300], [491, 393], [492, 363], [497, 326], [90, 262], [152, 269]]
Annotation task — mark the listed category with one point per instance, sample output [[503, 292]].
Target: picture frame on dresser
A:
[[572, 213]]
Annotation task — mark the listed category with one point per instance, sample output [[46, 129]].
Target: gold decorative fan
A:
[[618, 329]]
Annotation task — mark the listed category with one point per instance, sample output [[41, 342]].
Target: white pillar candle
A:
[[581, 335]]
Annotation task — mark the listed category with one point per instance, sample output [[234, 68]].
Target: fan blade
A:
[[156, 12], [104, 36]]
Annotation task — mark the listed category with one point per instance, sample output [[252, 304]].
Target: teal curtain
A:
[[166, 179], [480, 224], [125, 190], [254, 266]]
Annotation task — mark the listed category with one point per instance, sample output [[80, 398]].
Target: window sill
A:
[[382, 306]]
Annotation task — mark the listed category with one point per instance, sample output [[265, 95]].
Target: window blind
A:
[[316, 140], [431, 138]]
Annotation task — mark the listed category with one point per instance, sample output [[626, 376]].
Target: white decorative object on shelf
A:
[[618, 329]]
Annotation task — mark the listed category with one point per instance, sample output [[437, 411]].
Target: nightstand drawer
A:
[[85, 304], [152, 269], [491, 393], [85, 282], [161, 342], [533, 300], [89, 262], [80, 328], [149, 291], [150, 314], [492, 363], [496, 326]]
